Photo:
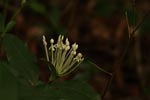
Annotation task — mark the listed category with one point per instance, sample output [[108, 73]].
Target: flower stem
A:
[[53, 75]]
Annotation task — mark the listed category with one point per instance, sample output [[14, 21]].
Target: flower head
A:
[[62, 56]]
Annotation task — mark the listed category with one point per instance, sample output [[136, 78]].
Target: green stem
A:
[[53, 75], [12, 18]]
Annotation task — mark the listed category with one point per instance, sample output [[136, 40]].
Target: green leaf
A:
[[9, 26], [8, 84], [74, 90], [69, 90], [38, 7], [22, 62], [87, 71]]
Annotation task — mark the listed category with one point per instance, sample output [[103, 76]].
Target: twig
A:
[[12, 18], [140, 23], [109, 81], [104, 71], [134, 13], [107, 87], [131, 35], [129, 30]]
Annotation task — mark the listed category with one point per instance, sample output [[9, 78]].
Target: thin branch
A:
[[12, 18], [129, 39], [134, 13], [132, 33], [127, 20], [140, 23], [109, 81], [104, 71], [107, 87]]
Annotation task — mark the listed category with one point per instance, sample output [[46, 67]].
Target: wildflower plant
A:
[[62, 57]]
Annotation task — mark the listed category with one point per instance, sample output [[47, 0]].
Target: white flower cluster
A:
[[64, 58]]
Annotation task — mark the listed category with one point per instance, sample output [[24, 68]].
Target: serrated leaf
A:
[[8, 84], [22, 62], [69, 90]]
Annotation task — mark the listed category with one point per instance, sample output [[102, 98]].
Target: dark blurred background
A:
[[100, 27]]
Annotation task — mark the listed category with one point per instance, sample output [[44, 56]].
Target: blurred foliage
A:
[[9, 26], [106, 7], [1, 23], [8, 84], [52, 13], [70, 90], [19, 78], [37, 7], [19, 69], [22, 62], [144, 30]]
